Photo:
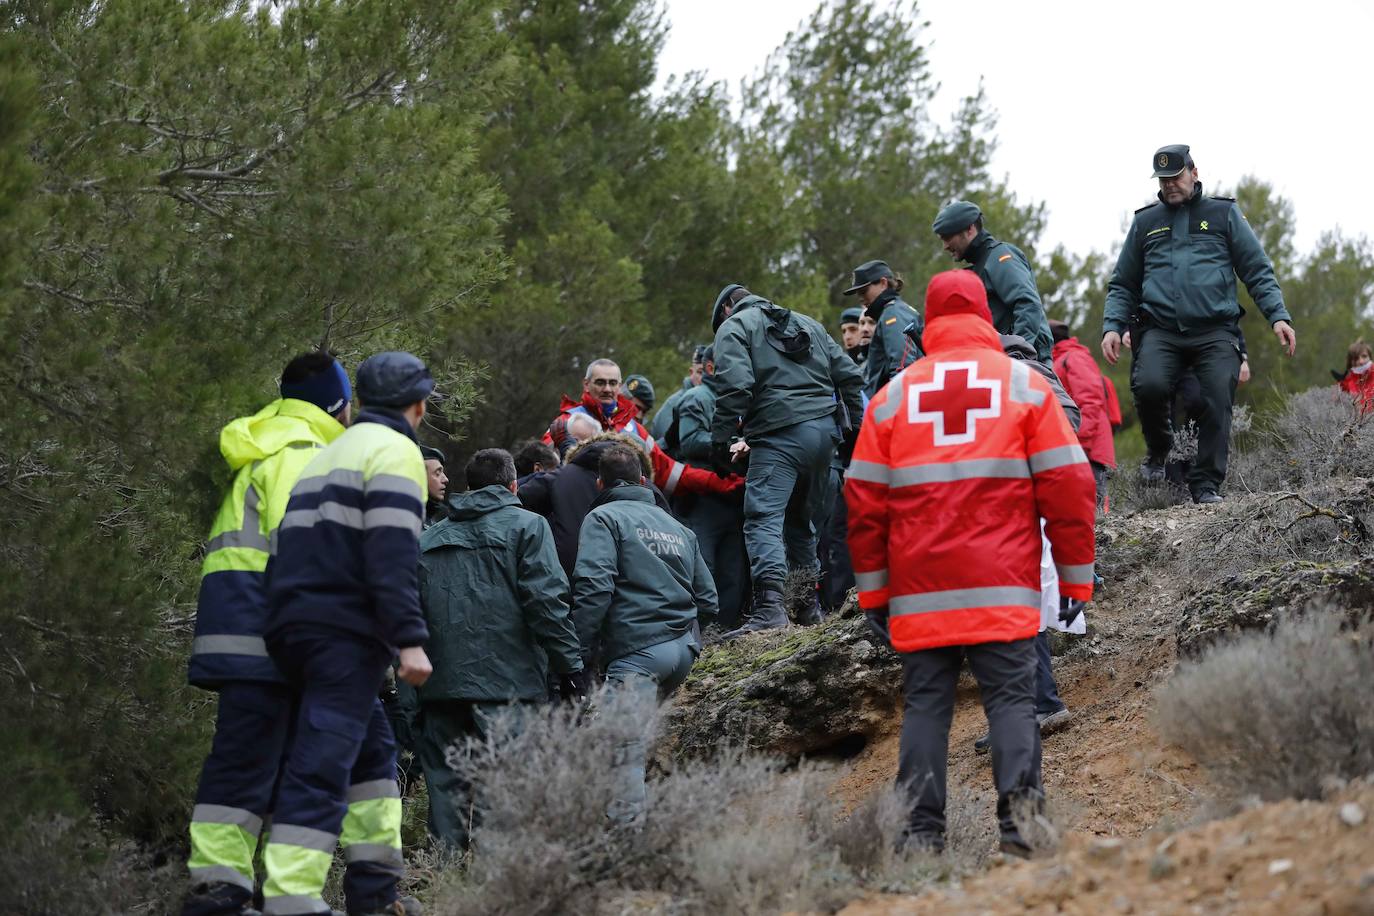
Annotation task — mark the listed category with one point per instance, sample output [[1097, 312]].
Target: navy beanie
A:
[[328, 390]]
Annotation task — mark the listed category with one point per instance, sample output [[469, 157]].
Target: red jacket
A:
[[1361, 387], [669, 475], [958, 459], [1077, 369], [1113, 404]]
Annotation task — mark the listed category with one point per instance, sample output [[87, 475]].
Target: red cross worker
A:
[[959, 458]]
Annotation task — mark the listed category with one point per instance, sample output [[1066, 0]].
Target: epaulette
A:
[[1219, 197], [1148, 206]]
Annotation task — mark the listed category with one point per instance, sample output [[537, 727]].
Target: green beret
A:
[[851, 316], [956, 217]]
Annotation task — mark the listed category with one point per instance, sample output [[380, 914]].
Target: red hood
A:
[[625, 410], [1064, 346], [957, 292], [958, 332]]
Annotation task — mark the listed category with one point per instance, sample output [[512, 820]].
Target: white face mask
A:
[[1361, 370]]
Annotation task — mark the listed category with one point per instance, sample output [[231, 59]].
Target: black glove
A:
[[877, 622], [573, 687], [1069, 609], [720, 459]]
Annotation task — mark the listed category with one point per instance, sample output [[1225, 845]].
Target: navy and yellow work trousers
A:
[[338, 785]]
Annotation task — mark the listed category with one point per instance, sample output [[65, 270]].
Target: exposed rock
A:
[[817, 690], [1257, 600], [1352, 815]]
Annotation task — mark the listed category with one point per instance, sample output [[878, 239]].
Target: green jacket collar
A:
[[979, 247], [625, 492], [466, 506]]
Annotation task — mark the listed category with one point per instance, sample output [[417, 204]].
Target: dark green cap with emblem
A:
[[1170, 160], [866, 273], [851, 316], [641, 389], [956, 217]]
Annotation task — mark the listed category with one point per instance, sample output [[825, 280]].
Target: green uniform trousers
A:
[[785, 496], [1214, 356]]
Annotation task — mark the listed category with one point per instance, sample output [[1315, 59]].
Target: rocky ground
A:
[[1132, 810]]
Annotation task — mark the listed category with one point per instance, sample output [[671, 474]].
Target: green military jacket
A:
[[658, 426], [495, 600], [1015, 302], [640, 579], [694, 416], [892, 349], [1178, 268], [770, 387]]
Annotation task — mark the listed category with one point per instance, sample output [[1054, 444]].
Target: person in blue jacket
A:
[[344, 602]]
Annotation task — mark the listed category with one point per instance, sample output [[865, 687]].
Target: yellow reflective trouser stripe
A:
[[372, 831], [221, 852], [296, 872]]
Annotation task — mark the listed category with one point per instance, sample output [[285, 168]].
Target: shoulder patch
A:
[[890, 321], [1005, 257]]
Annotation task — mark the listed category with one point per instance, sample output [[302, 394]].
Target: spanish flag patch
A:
[[890, 321], [1005, 257]]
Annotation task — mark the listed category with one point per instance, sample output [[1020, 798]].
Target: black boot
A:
[[767, 613], [219, 897], [810, 613]]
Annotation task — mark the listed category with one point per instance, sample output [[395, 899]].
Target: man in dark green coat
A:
[[891, 349], [796, 394], [495, 601], [1006, 274], [658, 427], [717, 519], [639, 585], [1174, 289]]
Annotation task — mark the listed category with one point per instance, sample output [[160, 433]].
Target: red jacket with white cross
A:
[[958, 459]]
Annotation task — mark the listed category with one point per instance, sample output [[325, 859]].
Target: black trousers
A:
[[1006, 674], [1214, 356]]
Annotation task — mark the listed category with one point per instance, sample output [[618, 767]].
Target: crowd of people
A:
[[943, 463]]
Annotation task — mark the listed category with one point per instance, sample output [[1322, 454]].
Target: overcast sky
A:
[[1086, 91]]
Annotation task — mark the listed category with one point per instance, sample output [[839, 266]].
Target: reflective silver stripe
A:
[[292, 904], [1052, 458], [223, 814], [373, 788], [1020, 389], [870, 471], [304, 837], [963, 598], [229, 645], [673, 478], [373, 852], [896, 388], [249, 533], [949, 471], [212, 874], [394, 483], [393, 518], [339, 477], [871, 581], [1075, 574], [324, 512]]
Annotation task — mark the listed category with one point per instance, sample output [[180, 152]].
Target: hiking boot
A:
[[983, 744], [219, 897], [1052, 722], [767, 613], [1207, 497], [810, 613], [1014, 847], [405, 906], [1152, 473]]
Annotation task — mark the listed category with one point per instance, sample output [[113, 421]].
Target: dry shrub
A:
[[57, 866], [1317, 434], [736, 834], [1274, 715]]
